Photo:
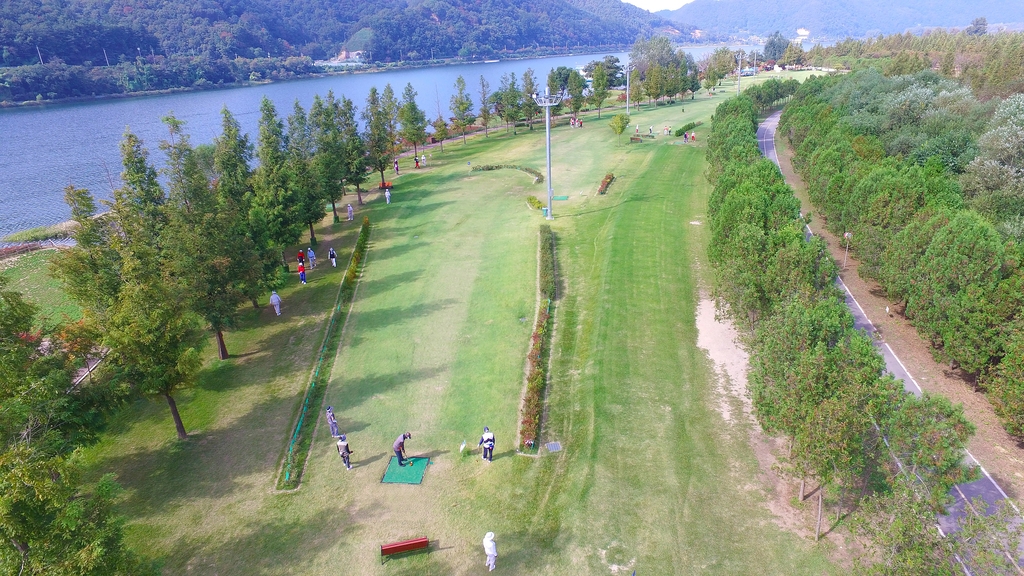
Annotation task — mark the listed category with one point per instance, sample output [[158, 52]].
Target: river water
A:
[[43, 149]]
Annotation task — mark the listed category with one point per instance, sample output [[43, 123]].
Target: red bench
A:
[[404, 546]]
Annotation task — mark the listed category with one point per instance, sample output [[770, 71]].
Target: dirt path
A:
[[1002, 455]]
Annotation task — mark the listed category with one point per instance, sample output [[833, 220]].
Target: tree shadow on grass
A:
[[366, 321], [385, 284], [358, 390], [276, 543], [395, 250]]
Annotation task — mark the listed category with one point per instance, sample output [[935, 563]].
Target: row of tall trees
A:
[[815, 380], [927, 181]]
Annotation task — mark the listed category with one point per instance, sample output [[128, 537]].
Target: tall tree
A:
[[380, 146], [311, 197], [390, 107], [274, 207], [775, 46], [530, 107], [413, 120], [461, 107], [577, 86], [329, 149], [205, 250], [440, 131], [485, 103], [511, 101], [354, 155], [636, 88], [599, 88], [654, 83]]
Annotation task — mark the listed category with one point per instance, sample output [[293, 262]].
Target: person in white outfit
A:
[[275, 300], [491, 550], [387, 195]]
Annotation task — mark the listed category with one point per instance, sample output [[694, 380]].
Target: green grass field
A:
[[29, 274], [651, 477]]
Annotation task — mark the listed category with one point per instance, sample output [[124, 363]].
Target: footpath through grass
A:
[[651, 477]]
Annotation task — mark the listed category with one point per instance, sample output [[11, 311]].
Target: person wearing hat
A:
[[332, 422], [491, 550], [311, 257], [275, 301], [399, 447], [487, 441], [333, 256], [344, 451]]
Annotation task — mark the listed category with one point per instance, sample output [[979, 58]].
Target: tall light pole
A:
[[547, 101], [629, 69]]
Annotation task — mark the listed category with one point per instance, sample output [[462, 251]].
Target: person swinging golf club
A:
[[399, 447], [487, 441]]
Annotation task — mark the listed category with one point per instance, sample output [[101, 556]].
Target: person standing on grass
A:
[[487, 441], [311, 256], [332, 422], [302, 273], [301, 257], [423, 160], [275, 301], [344, 451], [396, 166], [333, 256], [351, 213], [417, 159], [399, 447], [387, 195], [491, 550]]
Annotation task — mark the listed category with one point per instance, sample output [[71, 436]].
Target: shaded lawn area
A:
[[29, 274]]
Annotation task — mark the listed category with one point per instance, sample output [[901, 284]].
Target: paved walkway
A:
[[984, 487]]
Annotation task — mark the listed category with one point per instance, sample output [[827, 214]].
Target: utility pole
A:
[[40, 54], [547, 101]]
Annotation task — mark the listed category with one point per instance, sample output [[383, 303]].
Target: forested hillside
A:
[[58, 49], [837, 19]]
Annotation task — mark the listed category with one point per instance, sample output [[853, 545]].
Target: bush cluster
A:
[[534, 202], [537, 176], [302, 437], [687, 127], [814, 378], [605, 183], [540, 345], [913, 168]]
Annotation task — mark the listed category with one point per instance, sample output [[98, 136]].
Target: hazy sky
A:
[[655, 5]]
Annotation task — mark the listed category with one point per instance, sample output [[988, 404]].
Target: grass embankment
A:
[[651, 477], [29, 274]]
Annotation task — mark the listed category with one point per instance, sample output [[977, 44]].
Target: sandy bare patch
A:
[[721, 341]]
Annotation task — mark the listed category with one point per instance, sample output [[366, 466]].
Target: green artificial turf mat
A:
[[411, 473]]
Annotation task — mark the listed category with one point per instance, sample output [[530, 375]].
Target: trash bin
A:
[[545, 209]]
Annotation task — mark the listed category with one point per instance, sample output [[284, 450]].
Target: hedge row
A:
[[534, 202], [608, 178], [540, 345], [814, 378], [537, 176], [302, 437], [687, 127]]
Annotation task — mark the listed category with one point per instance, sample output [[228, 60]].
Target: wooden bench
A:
[[635, 140], [403, 546]]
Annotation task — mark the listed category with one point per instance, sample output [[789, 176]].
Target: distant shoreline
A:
[[364, 69]]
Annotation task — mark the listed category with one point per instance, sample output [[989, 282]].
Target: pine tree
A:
[[413, 120]]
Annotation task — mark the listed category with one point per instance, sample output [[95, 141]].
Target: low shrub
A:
[[534, 202], [298, 447], [605, 183], [537, 176], [687, 128], [540, 346]]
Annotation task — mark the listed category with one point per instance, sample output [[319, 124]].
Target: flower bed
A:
[[540, 346], [534, 202], [537, 176], [298, 447], [605, 183]]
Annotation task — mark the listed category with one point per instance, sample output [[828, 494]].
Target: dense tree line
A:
[[989, 64], [928, 181], [815, 380]]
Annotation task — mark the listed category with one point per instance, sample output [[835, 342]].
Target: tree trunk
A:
[[255, 302], [817, 529], [334, 208], [177, 417], [381, 180], [463, 134], [414, 152], [222, 349], [284, 262], [312, 235], [801, 489], [359, 195]]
